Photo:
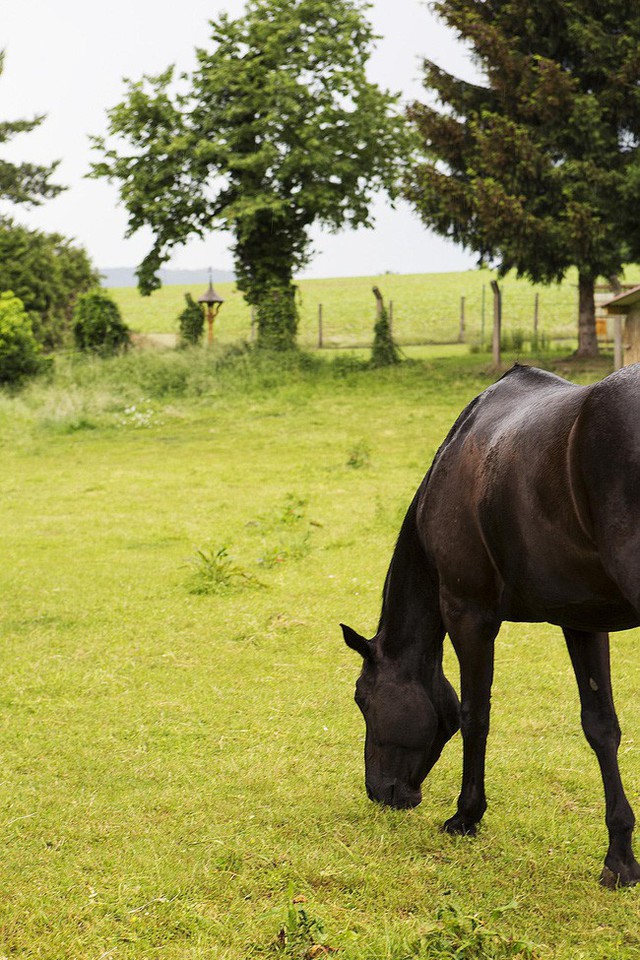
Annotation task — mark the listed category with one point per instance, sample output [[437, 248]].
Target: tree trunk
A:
[[277, 316], [587, 339]]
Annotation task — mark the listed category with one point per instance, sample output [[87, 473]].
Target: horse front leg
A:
[[472, 635], [589, 654]]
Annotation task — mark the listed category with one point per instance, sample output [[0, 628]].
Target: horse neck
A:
[[411, 629]]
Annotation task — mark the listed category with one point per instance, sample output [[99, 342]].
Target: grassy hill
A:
[[426, 307]]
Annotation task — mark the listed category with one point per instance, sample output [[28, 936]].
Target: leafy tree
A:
[[98, 326], [48, 273], [191, 322], [537, 167], [19, 349], [24, 183], [277, 129]]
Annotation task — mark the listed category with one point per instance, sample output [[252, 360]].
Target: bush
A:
[[48, 273], [98, 326], [19, 349], [191, 322]]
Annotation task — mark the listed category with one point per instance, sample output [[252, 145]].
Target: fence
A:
[[441, 316]]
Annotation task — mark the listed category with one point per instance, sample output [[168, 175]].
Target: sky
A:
[[68, 59]]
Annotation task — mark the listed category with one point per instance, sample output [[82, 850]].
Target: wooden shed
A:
[[627, 305]]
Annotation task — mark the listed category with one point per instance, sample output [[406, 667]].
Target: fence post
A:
[[497, 323], [391, 317], [536, 311], [482, 312], [253, 323], [461, 334], [319, 326], [618, 349]]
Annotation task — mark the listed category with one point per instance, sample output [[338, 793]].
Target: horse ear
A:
[[356, 642]]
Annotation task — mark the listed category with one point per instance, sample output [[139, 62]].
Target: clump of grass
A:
[[359, 455], [286, 532], [456, 934], [215, 571]]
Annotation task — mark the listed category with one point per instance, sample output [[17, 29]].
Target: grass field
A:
[[182, 770], [426, 307]]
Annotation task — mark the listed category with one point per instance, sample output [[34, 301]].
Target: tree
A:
[[24, 183], [277, 129], [537, 167], [48, 273]]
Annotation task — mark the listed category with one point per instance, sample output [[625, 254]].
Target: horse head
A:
[[409, 717]]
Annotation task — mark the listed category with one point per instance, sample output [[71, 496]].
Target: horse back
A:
[[529, 506]]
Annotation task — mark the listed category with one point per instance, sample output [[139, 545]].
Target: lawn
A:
[[182, 771], [426, 308]]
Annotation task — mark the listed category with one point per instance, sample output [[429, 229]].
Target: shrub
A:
[[191, 322], [19, 349], [48, 273], [98, 326]]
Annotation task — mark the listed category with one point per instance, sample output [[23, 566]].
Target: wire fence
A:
[[445, 317]]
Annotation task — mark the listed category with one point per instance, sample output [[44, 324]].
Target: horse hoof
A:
[[457, 826], [625, 877]]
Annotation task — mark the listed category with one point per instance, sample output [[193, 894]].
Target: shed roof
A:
[[623, 302]]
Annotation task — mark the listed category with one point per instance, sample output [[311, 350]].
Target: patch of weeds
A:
[[294, 549], [468, 937], [286, 532], [214, 571], [301, 936], [294, 509], [359, 456]]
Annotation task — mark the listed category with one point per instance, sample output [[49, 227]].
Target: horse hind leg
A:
[[589, 654]]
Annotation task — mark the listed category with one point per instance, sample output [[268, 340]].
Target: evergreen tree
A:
[[277, 129], [537, 166], [24, 183]]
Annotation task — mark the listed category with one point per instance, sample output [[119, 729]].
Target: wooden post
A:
[[461, 334], [632, 335], [618, 349], [319, 326], [391, 317], [253, 323], [379, 302], [497, 323], [536, 312]]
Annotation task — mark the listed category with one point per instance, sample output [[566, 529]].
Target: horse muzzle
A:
[[394, 794]]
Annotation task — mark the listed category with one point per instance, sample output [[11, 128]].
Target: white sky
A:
[[67, 59]]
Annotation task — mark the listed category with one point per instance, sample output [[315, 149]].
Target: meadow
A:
[[182, 771], [426, 308]]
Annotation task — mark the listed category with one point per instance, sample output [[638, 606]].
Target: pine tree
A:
[[24, 183], [537, 166]]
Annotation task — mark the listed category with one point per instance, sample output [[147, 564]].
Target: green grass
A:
[[426, 307], [182, 771]]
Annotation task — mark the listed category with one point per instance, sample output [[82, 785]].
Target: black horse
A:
[[530, 512]]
